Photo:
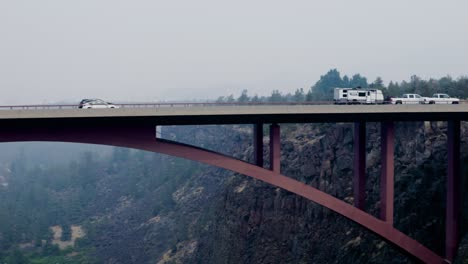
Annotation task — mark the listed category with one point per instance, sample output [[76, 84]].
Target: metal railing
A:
[[175, 104], [158, 105]]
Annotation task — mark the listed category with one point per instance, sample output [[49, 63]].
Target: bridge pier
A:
[[359, 176], [136, 130], [453, 202], [258, 144], [275, 151], [387, 174]]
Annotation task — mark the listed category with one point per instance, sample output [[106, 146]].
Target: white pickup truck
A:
[[408, 99], [440, 98]]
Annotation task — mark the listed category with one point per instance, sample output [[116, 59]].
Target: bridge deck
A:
[[248, 114]]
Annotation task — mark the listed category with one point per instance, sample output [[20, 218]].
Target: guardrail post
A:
[[452, 216], [359, 177], [387, 173], [275, 151], [258, 144]]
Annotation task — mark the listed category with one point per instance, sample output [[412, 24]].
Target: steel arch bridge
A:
[[138, 132]]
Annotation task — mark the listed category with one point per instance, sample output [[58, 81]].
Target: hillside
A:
[[140, 207]]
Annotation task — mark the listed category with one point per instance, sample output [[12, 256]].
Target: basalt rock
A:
[[263, 224]]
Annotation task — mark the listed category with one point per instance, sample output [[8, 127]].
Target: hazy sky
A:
[[63, 50]]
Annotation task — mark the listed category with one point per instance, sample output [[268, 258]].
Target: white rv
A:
[[357, 96]]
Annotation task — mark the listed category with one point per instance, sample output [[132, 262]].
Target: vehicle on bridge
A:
[[409, 99], [95, 103], [357, 96], [440, 98]]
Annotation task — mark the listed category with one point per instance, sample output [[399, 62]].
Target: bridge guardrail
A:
[[175, 104], [158, 105]]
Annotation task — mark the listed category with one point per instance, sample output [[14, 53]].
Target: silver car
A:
[[95, 103]]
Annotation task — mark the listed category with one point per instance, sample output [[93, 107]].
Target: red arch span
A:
[[138, 139]]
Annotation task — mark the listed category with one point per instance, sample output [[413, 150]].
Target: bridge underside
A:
[[142, 136]]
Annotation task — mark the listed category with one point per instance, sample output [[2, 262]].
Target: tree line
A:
[[322, 90], [40, 196]]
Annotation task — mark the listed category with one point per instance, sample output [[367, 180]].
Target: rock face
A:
[[221, 217], [76, 233], [257, 223]]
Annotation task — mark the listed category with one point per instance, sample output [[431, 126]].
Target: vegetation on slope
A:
[[138, 207]]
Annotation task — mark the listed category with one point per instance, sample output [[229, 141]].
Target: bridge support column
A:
[[452, 216], [275, 151], [258, 144], [359, 180], [387, 174]]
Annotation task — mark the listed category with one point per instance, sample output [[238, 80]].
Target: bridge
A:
[[136, 128]]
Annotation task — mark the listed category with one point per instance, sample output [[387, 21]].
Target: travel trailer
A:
[[357, 96]]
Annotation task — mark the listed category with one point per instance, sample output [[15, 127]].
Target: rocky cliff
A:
[[140, 207], [257, 223]]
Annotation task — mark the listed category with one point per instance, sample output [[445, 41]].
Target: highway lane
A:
[[245, 114]]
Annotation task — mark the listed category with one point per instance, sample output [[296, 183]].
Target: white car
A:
[[440, 98], [408, 99], [95, 103]]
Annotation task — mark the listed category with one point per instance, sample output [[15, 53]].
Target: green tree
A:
[[50, 250], [358, 81], [276, 96], [66, 233], [377, 84], [346, 81], [243, 98], [230, 99], [255, 99], [323, 88], [445, 83], [16, 257], [309, 96], [461, 88], [299, 95]]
